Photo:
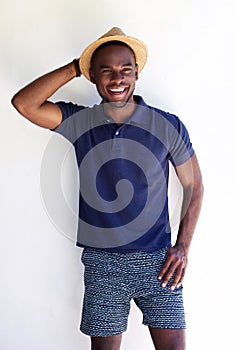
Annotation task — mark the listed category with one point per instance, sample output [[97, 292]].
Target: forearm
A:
[[190, 212]]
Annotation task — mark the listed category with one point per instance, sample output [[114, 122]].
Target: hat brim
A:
[[138, 47]]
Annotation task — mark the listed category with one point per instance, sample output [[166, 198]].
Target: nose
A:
[[117, 76]]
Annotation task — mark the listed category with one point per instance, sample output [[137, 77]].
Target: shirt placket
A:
[[116, 144]]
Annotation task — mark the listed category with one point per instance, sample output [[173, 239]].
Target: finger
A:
[[177, 279], [166, 264], [165, 268], [183, 269], [168, 275], [181, 279]]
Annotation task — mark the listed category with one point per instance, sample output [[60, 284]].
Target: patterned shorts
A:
[[112, 280]]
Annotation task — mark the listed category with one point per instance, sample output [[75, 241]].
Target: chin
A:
[[118, 104]]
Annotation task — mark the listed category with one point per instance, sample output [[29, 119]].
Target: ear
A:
[[91, 75], [136, 72]]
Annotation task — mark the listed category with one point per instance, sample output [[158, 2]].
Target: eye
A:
[[106, 71], [127, 70]]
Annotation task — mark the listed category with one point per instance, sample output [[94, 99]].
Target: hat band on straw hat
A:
[[115, 34]]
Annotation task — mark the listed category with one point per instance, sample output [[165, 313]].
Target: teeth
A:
[[117, 90]]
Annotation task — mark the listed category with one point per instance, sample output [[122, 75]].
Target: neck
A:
[[120, 113]]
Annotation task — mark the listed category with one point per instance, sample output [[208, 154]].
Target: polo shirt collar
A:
[[140, 116]]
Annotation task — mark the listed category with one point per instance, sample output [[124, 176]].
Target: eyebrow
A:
[[123, 65]]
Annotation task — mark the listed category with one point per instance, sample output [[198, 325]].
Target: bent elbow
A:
[[22, 106], [17, 102]]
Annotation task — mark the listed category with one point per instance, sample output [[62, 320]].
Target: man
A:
[[124, 229]]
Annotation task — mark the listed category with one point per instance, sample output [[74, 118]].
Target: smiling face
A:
[[114, 72]]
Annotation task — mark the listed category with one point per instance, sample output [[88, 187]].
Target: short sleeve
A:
[[68, 109], [181, 148]]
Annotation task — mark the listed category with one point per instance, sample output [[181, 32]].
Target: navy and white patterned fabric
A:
[[112, 280]]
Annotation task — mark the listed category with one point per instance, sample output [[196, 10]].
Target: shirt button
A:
[[117, 133]]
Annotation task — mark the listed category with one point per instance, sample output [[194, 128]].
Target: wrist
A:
[[183, 246], [77, 67]]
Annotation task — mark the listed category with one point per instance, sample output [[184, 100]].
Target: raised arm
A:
[[32, 101], [190, 177]]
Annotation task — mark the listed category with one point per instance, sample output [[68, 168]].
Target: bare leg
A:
[[106, 343], [168, 339]]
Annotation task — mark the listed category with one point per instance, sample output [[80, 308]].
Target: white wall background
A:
[[189, 73]]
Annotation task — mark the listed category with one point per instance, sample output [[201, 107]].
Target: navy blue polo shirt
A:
[[123, 174]]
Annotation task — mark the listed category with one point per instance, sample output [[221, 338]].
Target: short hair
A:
[[111, 43]]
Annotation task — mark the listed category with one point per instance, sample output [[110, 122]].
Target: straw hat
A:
[[114, 34]]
